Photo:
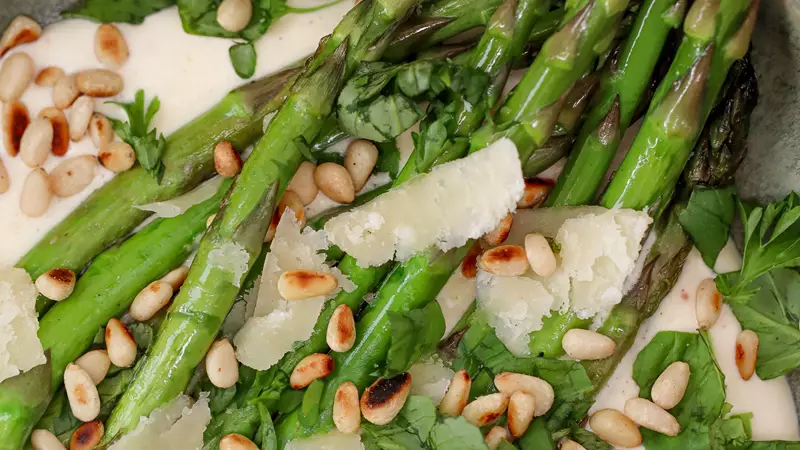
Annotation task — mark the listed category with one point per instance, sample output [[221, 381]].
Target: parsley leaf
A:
[[707, 218], [149, 146], [125, 11]]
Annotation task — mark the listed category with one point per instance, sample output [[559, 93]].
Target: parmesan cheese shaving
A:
[[431, 379], [177, 426], [20, 348], [455, 298], [455, 202], [180, 204], [334, 440]]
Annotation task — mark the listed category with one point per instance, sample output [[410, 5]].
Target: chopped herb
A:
[[243, 58], [125, 11], [707, 218], [148, 145]]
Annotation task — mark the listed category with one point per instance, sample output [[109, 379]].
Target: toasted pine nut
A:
[[651, 416], [44, 440], [84, 401], [359, 160], [569, 444], [469, 266], [291, 200], [540, 255], [58, 121], [235, 441], [99, 83], [587, 345], [457, 395], [117, 156], [341, 332], [56, 284], [310, 368], [36, 142], [120, 344], [303, 284], [87, 436], [15, 122], [346, 412], [110, 47], [65, 91], [221, 364], [521, 407], [226, 160], [303, 183], [509, 383], [72, 175], [613, 427], [151, 300], [79, 116], [495, 436], [234, 15], [506, 261], [96, 363], [15, 75], [535, 193], [708, 304], [500, 233], [48, 76], [335, 182], [21, 30], [5, 181], [100, 130], [746, 353], [210, 220], [670, 386], [485, 409], [176, 277], [383, 400], [36, 195]]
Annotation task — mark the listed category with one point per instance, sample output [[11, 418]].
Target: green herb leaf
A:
[[267, 434], [537, 437], [455, 433], [200, 17], [125, 11], [414, 334], [243, 58], [388, 158], [149, 146], [707, 218], [309, 409], [589, 440], [420, 414], [290, 400]]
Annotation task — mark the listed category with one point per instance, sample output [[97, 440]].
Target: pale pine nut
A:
[[15, 75], [587, 345], [457, 395], [100, 130], [117, 156], [521, 407], [226, 160], [5, 181], [506, 261], [176, 277], [36, 195], [79, 116], [15, 122], [291, 200], [21, 30], [235, 441], [120, 344], [651, 416], [569, 444], [48, 76], [383, 400], [210, 220], [99, 83], [613, 427], [221, 364], [36, 142], [151, 300], [234, 15], [746, 353], [58, 121], [670, 386], [310, 368], [535, 193], [341, 332], [346, 411], [84, 401], [303, 183], [65, 91], [303, 284], [495, 436], [110, 47], [72, 175], [708, 304], [500, 233], [485, 409], [509, 383], [335, 182], [96, 363], [45, 440], [56, 284], [87, 436], [359, 160], [540, 255]]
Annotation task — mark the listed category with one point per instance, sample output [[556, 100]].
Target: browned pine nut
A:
[[495, 436], [44, 440], [509, 383], [226, 160], [21, 30], [670, 386], [335, 182], [117, 156], [36, 142], [235, 441], [87, 436], [540, 255], [58, 121], [99, 83], [383, 400], [341, 332], [506, 261], [521, 407], [120, 344], [65, 91], [746, 353], [110, 47], [72, 175], [500, 233], [96, 363], [100, 130], [310, 368], [708, 304], [535, 193], [84, 401], [346, 412], [587, 345], [291, 200], [221, 364], [469, 266], [651, 416], [457, 395], [176, 277], [359, 160], [486, 409], [5, 181], [15, 75], [613, 427], [15, 122], [569, 444], [303, 183], [303, 284], [234, 15], [48, 76], [56, 284], [79, 116], [36, 195], [150, 300]]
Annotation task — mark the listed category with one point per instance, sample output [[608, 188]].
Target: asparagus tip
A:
[[562, 47], [738, 44], [675, 14], [681, 108], [608, 129], [701, 19]]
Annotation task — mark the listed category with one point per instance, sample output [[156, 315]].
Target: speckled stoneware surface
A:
[[772, 167]]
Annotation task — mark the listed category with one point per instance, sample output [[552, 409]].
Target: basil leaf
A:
[[455, 433], [589, 440], [388, 158], [309, 409], [124, 11], [707, 218], [243, 58], [269, 438], [200, 17], [537, 437], [414, 334]]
